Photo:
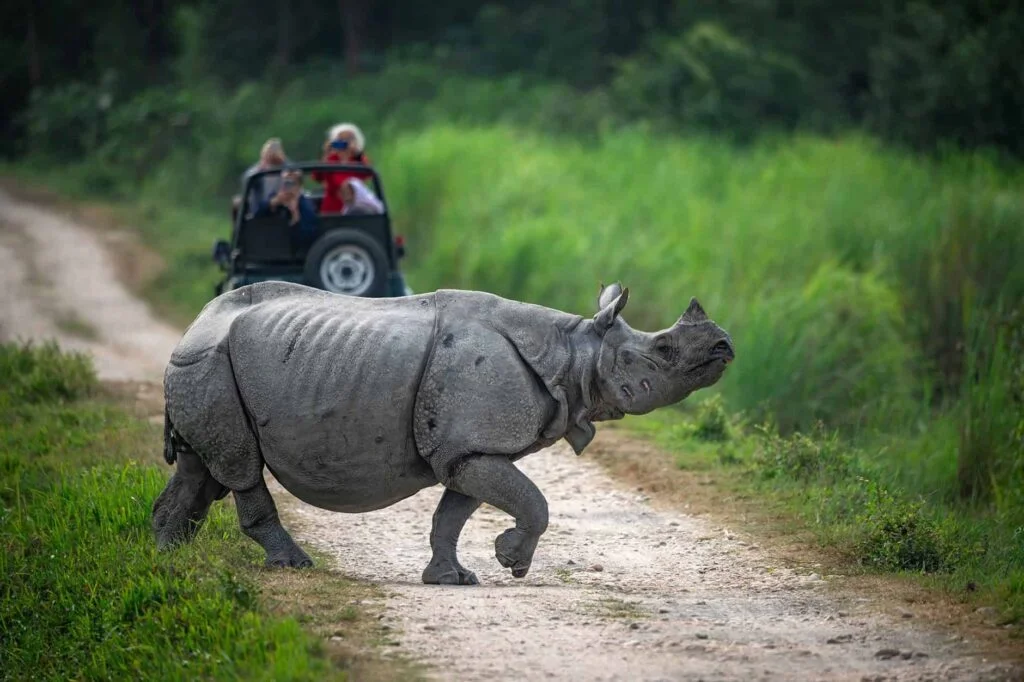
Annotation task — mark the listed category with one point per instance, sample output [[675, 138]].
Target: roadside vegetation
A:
[[875, 294], [876, 510], [85, 594]]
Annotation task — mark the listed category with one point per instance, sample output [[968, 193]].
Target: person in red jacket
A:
[[344, 145]]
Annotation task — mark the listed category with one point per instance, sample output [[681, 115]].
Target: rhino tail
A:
[[170, 454]]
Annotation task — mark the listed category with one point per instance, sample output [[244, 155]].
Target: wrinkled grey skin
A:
[[354, 404]]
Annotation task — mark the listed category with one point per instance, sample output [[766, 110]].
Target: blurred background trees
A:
[[923, 73]]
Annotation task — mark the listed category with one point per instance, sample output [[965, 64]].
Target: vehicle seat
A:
[[269, 240]]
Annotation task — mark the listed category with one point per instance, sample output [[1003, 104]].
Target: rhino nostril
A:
[[646, 385], [723, 347], [626, 391]]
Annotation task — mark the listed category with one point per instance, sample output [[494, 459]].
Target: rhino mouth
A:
[[608, 414], [725, 360]]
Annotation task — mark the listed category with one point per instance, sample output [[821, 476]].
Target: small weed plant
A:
[[818, 456]]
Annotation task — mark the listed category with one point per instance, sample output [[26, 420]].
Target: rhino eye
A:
[[665, 349]]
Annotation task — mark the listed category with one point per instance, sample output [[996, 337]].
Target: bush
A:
[[900, 535], [819, 457], [67, 121], [713, 423]]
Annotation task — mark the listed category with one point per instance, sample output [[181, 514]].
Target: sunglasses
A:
[[339, 144]]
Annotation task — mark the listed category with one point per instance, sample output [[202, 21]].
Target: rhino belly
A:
[[331, 393]]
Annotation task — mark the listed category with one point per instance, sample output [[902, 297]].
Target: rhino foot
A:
[[448, 573], [258, 518], [294, 557], [514, 550], [181, 508]]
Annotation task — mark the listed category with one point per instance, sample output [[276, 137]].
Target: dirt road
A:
[[618, 589], [57, 282]]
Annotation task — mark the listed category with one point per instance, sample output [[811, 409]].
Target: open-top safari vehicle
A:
[[354, 254]]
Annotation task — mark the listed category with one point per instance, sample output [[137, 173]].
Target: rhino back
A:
[[330, 386], [211, 326]]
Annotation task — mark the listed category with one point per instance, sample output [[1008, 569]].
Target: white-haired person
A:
[[345, 145]]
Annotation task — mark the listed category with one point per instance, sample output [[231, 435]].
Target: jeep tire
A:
[[348, 262]]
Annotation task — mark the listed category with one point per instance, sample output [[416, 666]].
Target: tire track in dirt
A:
[[618, 590]]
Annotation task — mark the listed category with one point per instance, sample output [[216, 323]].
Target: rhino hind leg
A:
[[257, 515], [444, 568], [181, 508], [494, 479]]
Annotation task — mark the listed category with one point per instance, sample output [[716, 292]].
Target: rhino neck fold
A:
[[583, 395]]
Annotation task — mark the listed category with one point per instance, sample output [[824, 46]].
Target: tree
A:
[[353, 23]]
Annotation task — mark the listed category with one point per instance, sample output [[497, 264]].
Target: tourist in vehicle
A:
[[290, 200], [345, 145], [264, 187], [359, 199]]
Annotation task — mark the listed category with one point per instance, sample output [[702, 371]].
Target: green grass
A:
[[85, 594]]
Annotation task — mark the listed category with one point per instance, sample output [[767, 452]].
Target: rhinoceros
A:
[[354, 404]]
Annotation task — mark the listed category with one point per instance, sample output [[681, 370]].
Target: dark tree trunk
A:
[[283, 53], [150, 16], [35, 68], [353, 23]]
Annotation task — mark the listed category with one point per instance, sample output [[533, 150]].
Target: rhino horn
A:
[[612, 300], [694, 313]]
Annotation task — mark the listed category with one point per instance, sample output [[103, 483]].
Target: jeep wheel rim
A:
[[347, 269]]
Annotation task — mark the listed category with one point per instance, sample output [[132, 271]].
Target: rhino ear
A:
[[694, 314], [606, 317], [607, 294]]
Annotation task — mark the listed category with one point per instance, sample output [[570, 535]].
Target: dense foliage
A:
[[922, 72]]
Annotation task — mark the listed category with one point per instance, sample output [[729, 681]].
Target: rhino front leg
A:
[[259, 520], [494, 479], [444, 568]]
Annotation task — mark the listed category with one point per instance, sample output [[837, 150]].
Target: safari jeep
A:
[[355, 255]]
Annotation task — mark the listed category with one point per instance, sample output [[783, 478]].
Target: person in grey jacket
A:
[[265, 187]]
